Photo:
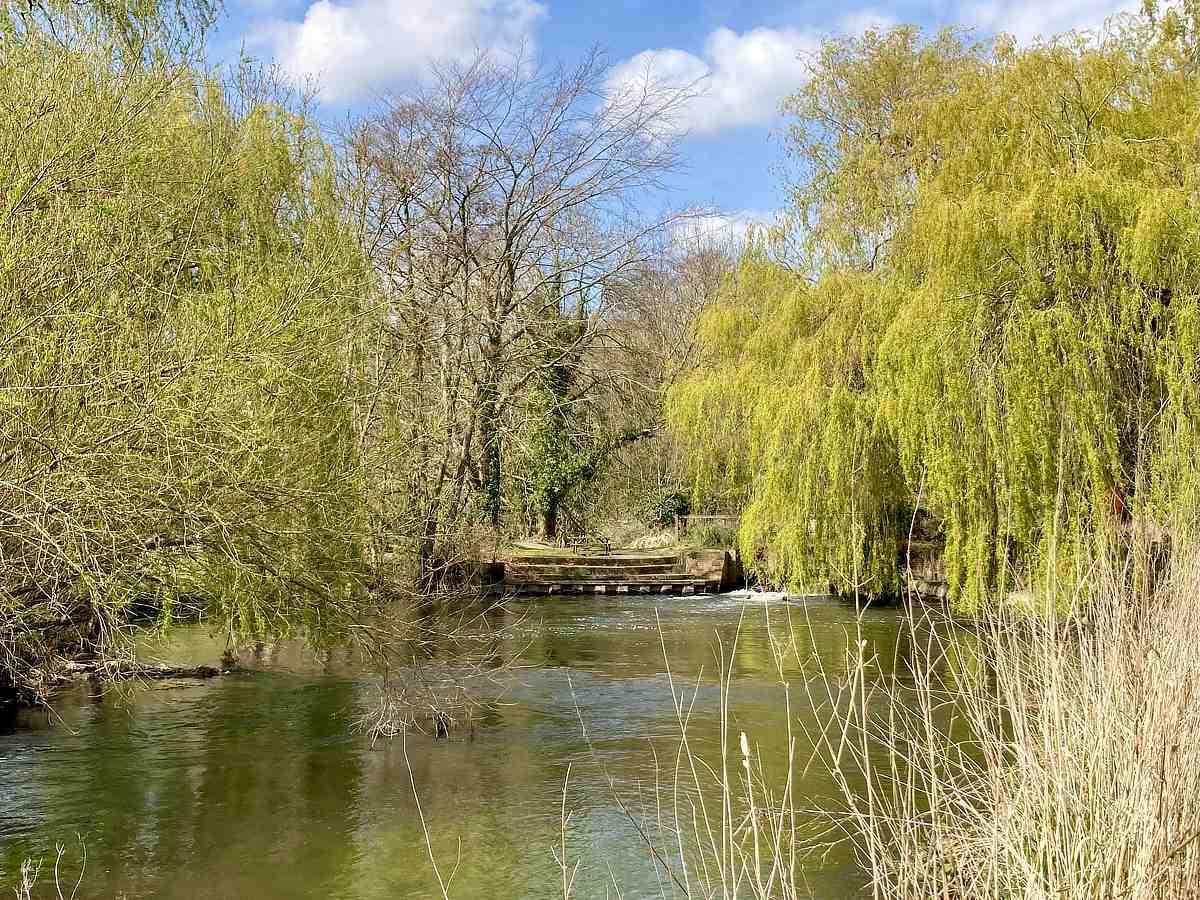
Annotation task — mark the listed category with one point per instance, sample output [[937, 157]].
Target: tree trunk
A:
[[428, 571], [550, 521], [489, 432], [489, 467]]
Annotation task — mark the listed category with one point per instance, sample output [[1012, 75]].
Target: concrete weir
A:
[[686, 572]]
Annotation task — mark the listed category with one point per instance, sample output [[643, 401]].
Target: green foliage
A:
[[176, 296], [712, 535], [554, 460], [127, 32], [565, 452], [662, 503], [996, 319]]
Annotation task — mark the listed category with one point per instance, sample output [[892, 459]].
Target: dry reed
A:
[[1049, 758], [1055, 758]]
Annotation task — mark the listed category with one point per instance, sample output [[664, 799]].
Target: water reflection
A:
[[257, 786]]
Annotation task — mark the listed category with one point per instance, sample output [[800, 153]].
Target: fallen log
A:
[[41, 683], [121, 669]]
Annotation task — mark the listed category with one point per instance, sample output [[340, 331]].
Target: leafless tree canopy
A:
[[495, 202]]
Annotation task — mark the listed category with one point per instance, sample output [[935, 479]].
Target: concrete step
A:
[[663, 586], [648, 573], [615, 559], [603, 577], [524, 569]]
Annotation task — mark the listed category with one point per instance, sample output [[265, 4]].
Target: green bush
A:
[[662, 504], [712, 534]]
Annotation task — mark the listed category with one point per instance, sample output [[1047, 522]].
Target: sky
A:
[[745, 56]]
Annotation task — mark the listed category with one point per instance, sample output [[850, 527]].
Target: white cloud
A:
[[1029, 19], [723, 228], [740, 79], [861, 20], [356, 46]]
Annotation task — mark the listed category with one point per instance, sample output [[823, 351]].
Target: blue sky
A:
[[745, 55]]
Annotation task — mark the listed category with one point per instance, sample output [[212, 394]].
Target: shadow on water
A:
[[258, 786]]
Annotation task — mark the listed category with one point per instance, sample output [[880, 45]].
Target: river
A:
[[259, 786]]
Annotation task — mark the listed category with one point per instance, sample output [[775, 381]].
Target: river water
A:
[[259, 786]]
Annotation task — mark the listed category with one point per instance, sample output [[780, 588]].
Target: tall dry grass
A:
[[1053, 758], [30, 877], [1047, 759]]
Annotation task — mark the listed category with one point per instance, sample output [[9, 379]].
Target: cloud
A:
[[357, 46], [740, 79], [722, 228], [1029, 19]]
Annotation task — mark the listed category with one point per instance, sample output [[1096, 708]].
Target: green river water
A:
[[259, 786]]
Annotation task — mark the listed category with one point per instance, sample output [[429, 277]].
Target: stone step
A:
[[616, 559], [573, 571], [601, 578], [662, 586]]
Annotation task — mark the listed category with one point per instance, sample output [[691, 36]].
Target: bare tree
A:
[[646, 343], [651, 315], [493, 202]]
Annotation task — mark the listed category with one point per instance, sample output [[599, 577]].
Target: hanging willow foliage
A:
[[177, 296], [997, 322]]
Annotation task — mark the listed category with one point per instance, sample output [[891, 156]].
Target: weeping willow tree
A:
[[996, 316], [126, 32], [177, 353]]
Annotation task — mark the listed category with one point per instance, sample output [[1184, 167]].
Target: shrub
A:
[[713, 534], [661, 505]]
